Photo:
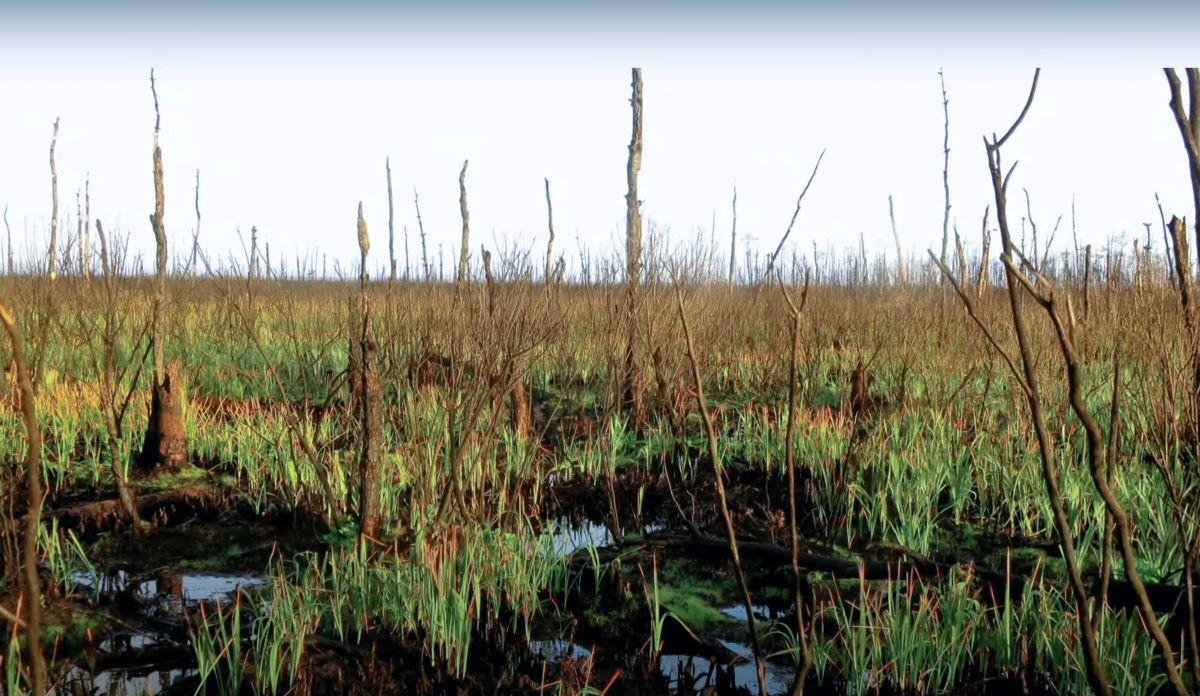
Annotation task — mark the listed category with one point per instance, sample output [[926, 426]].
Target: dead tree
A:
[[387, 163], [546, 276], [368, 401], [254, 272], [1189, 129], [900, 274], [945, 167], [633, 243], [733, 241], [52, 258], [196, 232], [12, 265], [464, 252], [421, 229], [982, 279], [165, 443], [85, 242]]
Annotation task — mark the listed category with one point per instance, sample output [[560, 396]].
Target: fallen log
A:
[[103, 514], [1168, 599]]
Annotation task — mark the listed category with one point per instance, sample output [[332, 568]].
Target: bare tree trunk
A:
[[982, 281], [85, 242], [12, 264], [391, 222], [165, 443], [633, 243], [354, 355], [1183, 276], [1189, 129], [945, 167], [369, 412], [196, 232], [421, 229], [78, 239], [546, 277], [1037, 260], [486, 256], [733, 242], [52, 263], [900, 274], [464, 252], [961, 256], [1166, 241], [1087, 282], [254, 272]]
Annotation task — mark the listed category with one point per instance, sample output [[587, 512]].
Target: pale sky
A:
[[289, 117]]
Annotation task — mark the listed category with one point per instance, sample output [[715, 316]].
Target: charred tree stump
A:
[[372, 424], [165, 443]]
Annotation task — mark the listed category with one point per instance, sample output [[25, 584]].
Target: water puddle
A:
[[557, 650], [165, 591], [571, 536], [762, 612], [688, 673], [79, 682]]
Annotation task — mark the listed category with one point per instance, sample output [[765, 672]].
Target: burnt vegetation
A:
[[823, 473]]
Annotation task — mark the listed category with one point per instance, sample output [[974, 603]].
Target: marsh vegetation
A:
[[806, 474]]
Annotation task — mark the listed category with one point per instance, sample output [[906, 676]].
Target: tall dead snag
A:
[[85, 242], [546, 276], [1182, 267], [1097, 678], [960, 256], [982, 280], [387, 163], [421, 229], [52, 257], [900, 274], [633, 243], [33, 520], [369, 413], [1087, 283], [1189, 128], [464, 252], [196, 232], [1183, 281], [945, 167], [12, 265], [733, 241], [254, 272], [165, 443]]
